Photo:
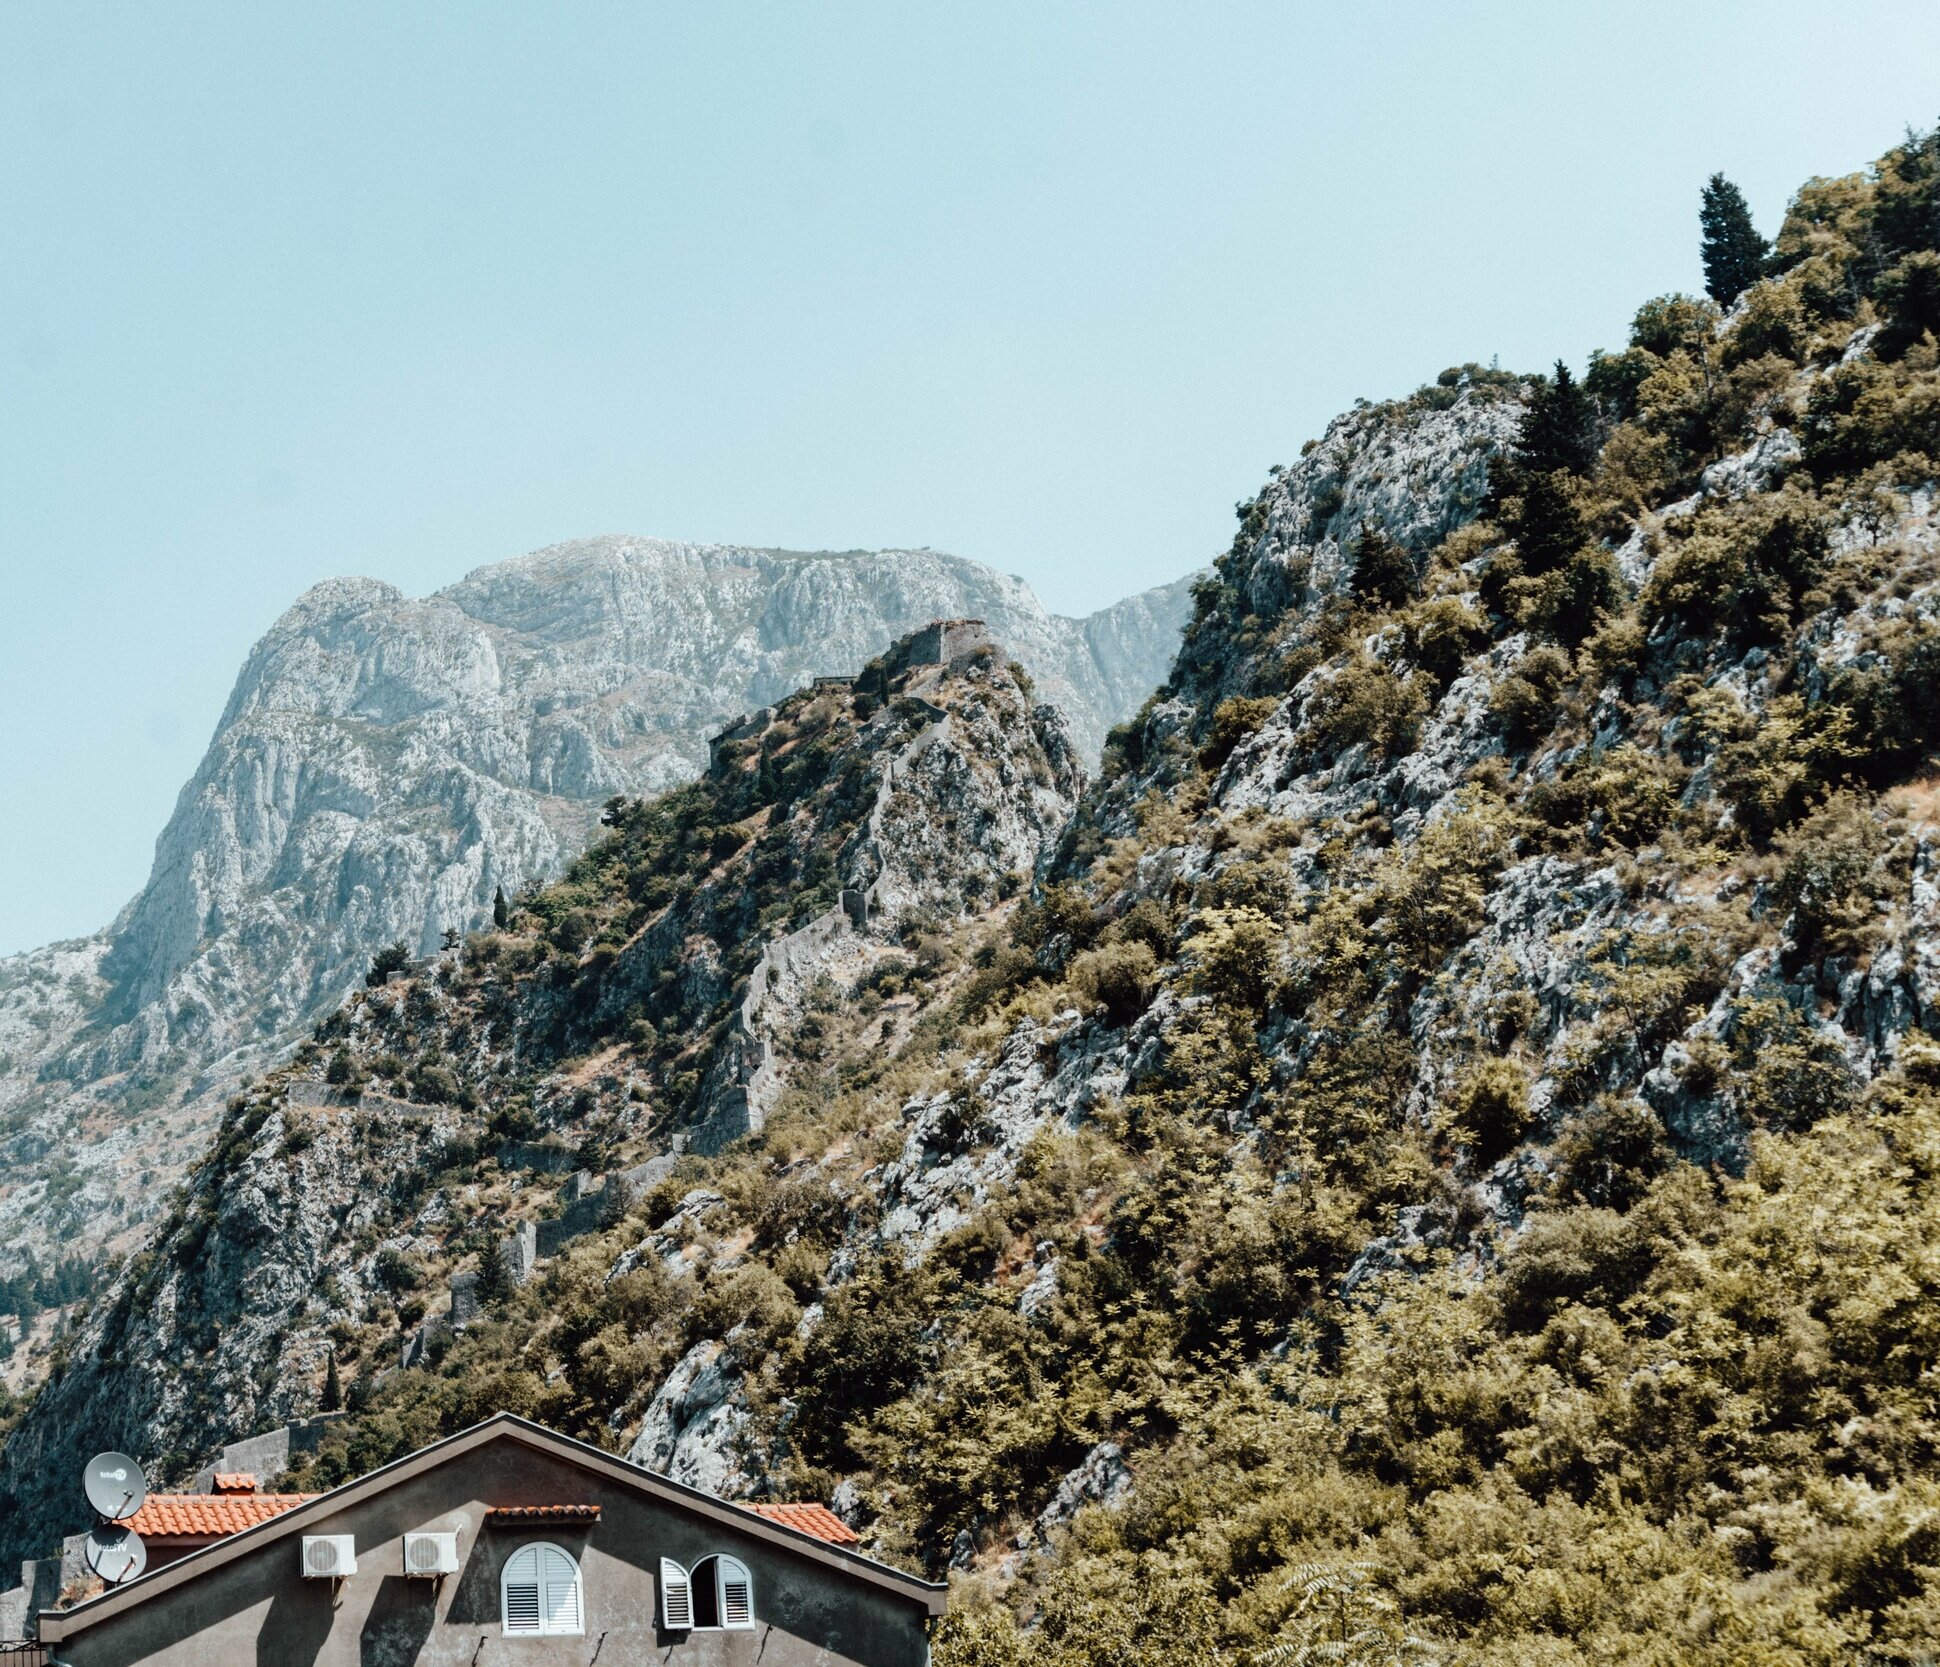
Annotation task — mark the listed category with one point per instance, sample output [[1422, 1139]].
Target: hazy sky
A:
[[289, 291]]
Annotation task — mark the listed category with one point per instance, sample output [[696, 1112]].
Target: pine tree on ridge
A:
[[1734, 253]]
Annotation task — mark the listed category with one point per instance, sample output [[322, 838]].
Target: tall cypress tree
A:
[[1734, 253], [494, 1277], [501, 910], [333, 1389]]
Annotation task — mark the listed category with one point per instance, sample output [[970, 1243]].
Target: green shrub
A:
[[1235, 957], [752, 1296], [1773, 320], [1744, 570], [1232, 722], [1591, 1256], [1608, 1154], [393, 957], [1621, 795], [1146, 922], [1547, 522], [1367, 704], [1671, 322], [995, 974], [1790, 1074], [1909, 296], [868, 1350], [1523, 702], [1250, 881], [1637, 468], [1573, 601], [1614, 378], [1892, 699], [1773, 769], [434, 1084], [1865, 412], [1488, 1110], [1441, 634], [1118, 977], [1822, 884]]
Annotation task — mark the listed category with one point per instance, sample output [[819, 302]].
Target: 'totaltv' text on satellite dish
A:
[[116, 1489], [115, 1552], [114, 1485]]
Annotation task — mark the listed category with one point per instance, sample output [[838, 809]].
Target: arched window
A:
[[538, 1593], [718, 1593]]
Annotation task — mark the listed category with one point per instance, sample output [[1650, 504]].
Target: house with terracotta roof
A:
[[507, 1545]]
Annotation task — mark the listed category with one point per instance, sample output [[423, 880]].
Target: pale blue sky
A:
[[291, 290]]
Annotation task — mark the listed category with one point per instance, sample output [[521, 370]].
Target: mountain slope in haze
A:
[[385, 765], [1444, 1146]]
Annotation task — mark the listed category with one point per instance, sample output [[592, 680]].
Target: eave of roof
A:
[[932, 1596]]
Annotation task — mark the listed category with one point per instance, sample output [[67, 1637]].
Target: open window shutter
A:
[[676, 1597], [737, 1594], [521, 1593], [561, 1578]]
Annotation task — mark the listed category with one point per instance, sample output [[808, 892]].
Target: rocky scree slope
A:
[[604, 1024], [386, 765], [1450, 1137]]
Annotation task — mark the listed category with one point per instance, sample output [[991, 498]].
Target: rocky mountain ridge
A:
[[385, 766]]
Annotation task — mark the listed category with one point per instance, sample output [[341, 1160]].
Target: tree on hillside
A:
[[393, 957], [1384, 573], [1533, 489], [1734, 253], [1906, 203], [494, 1277], [501, 910], [1558, 428], [333, 1389]]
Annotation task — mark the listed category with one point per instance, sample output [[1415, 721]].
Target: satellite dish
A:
[[115, 1552], [115, 1486]]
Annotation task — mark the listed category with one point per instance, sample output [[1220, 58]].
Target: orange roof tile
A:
[[818, 1520], [542, 1513], [234, 1481], [209, 1516]]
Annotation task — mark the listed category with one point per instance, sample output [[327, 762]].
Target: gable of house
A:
[[563, 1554]]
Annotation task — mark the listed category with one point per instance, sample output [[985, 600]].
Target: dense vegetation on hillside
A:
[[1456, 1110]]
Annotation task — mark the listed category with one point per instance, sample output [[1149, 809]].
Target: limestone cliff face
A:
[[385, 764]]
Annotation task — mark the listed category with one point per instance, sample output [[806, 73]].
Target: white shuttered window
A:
[[539, 1593], [737, 1594], [723, 1593], [676, 1597]]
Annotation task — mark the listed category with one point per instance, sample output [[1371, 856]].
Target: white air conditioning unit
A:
[[427, 1556], [328, 1556]]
